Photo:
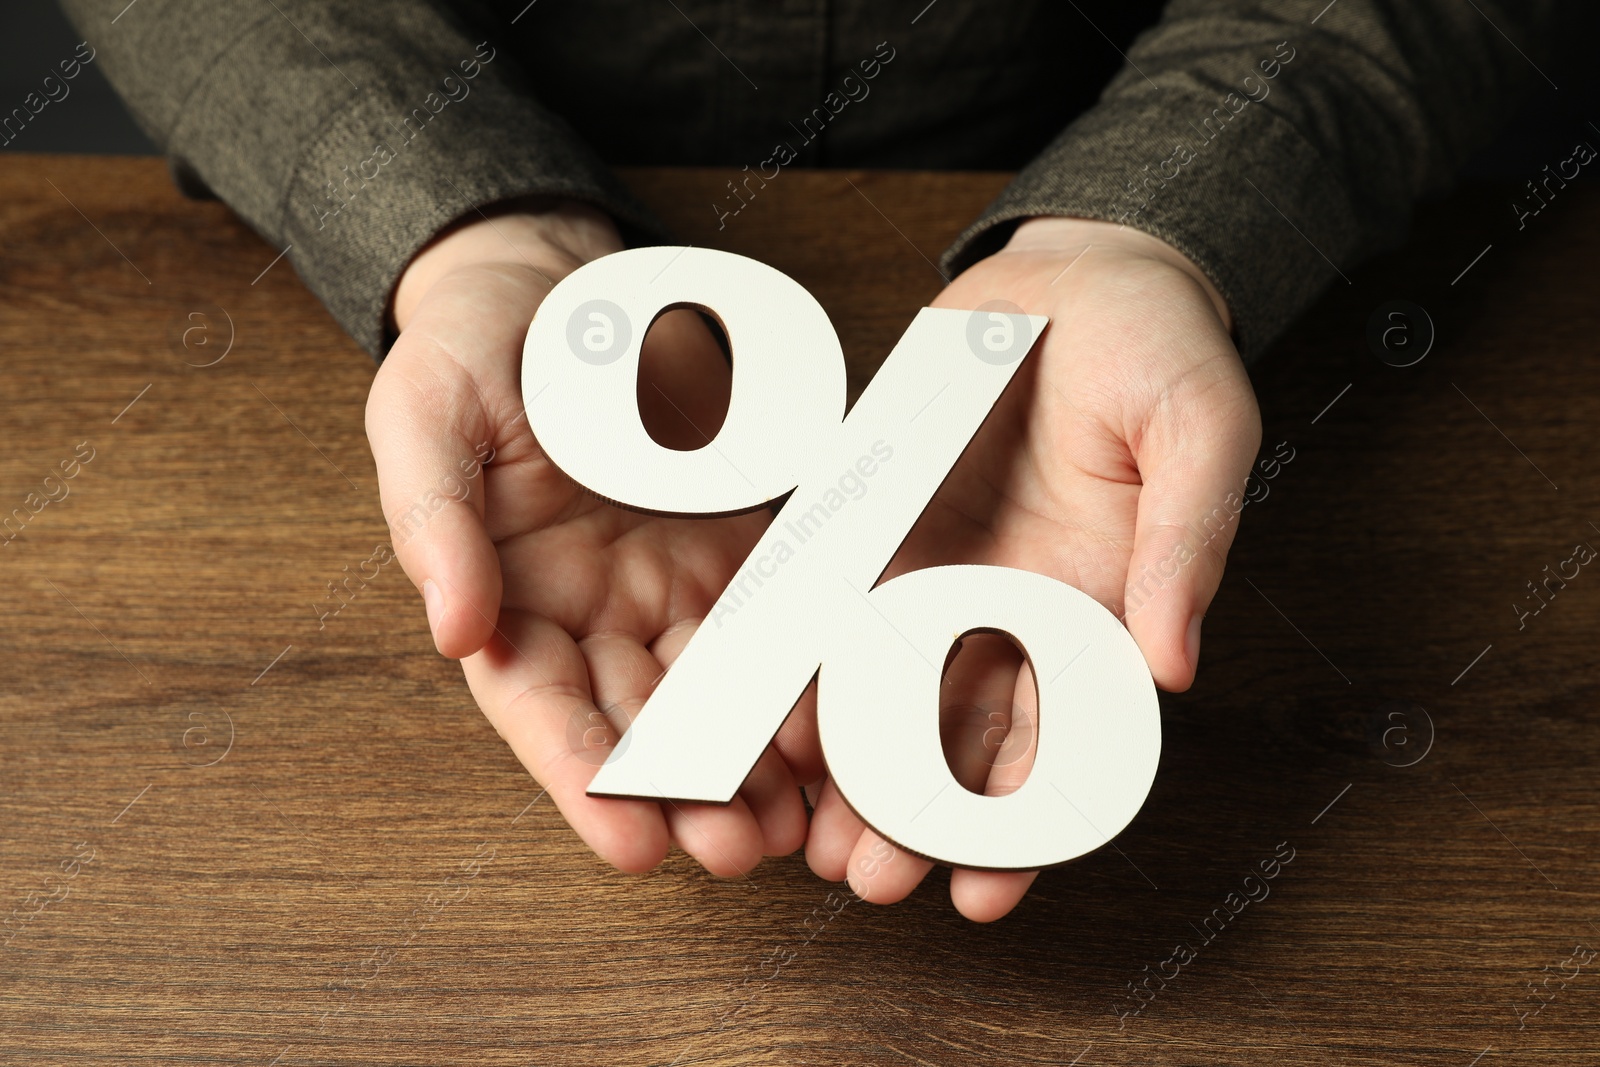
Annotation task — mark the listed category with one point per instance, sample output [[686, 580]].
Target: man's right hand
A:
[[564, 609]]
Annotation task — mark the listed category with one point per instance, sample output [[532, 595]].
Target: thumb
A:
[[1189, 509], [431, 440]]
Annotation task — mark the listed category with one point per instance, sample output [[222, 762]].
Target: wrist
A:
[[552, 236], [1073, 235]]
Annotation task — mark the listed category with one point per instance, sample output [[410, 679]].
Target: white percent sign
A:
[[804, 598]]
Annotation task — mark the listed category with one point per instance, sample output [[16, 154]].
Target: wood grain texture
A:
[[308, 847]]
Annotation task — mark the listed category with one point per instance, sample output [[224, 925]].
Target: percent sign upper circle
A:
[[803, 604], [783, 388]]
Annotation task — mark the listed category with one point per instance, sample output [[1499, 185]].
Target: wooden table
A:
[[252, 839]]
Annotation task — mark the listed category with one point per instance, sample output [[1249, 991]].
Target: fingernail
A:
[[1191, 644], [433, 600]]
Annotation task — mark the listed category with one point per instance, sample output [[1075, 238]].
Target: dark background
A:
[[97, 122], [36, 35]]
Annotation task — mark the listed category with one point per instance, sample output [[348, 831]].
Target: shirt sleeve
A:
[[347, 133], [1276, 144]]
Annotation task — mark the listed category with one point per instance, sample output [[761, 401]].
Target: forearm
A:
[[349, 134], [1274, 152]]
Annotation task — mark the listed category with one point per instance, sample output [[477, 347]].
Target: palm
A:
[[1036, 490], [569, 608], [593, 568], [1052, 482]]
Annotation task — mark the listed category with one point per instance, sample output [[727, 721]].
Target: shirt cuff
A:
[[1241, 193], [388, 173]]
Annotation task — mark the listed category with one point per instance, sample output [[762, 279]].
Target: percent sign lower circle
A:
[[803, 604]]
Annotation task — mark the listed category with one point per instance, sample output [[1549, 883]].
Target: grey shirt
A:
[[1269, 142]]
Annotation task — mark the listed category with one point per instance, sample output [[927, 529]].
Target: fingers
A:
[[429, 442], [726, 840], [562, 710], [880, 873], [984, 896], [989, 726], [835, 829], [842, 848], [975, 710], [767, 817], [1193, 469], [532, 683], [974, 715], [797, 740], [1012, 757], [433, 416], [774, 799], [432, 499]]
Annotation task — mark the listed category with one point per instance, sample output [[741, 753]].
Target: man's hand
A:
[[564, 609], [1130, 424]]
